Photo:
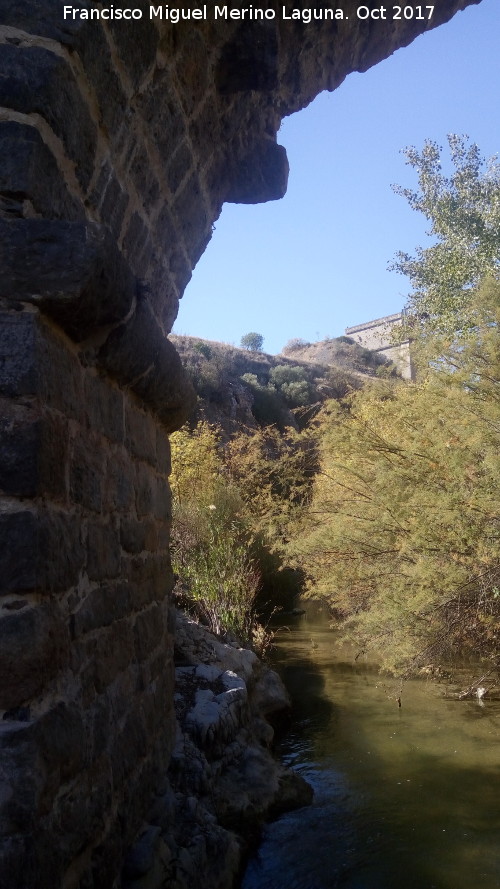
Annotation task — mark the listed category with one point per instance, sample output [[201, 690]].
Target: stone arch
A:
[[119, 143]]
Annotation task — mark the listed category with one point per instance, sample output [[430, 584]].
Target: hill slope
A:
[[236, 387]]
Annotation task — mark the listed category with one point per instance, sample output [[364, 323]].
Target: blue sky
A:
[[316, 262]]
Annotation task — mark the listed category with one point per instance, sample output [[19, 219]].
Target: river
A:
[[405, 797]]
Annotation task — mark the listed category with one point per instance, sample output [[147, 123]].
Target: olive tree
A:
[[252, 341]]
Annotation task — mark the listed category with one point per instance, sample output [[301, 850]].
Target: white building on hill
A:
[[376, 335]]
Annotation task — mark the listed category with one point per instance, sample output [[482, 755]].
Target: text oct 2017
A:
[[395, 13]]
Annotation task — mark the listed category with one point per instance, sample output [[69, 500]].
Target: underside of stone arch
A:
[[119, 143]]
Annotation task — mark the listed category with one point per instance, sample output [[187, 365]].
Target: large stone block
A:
[[53, 457], [150, 578], [101, 607], [136, 238], [33, 451], [86, 474], [18, 336], [119, 493], [30, 541], [145, 490], [21, 778], [59, 374], [163, 455], [82, 809], [18, 552], [149, 631], [164, 287], [22, 155], [103, 404], [140, 572], [59, 532], [249, 61], [164, 529], [34, 645], [162, 500], [103, 550], [33, 79], [72, 271], [132, 535], [19, 437], [43, 18], [260, 174], [140, 433], [19, 867], [113, 654], [62, 743], [139, 355]]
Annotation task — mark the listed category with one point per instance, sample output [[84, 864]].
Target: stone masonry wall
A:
[[85, 643], [377, 335], [119, 143]]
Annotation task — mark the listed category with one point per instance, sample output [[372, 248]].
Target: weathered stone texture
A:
[[119, 143], [85, 579]]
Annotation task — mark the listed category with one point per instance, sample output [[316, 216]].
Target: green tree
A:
[[252, 341], [403, 533], [464, 214]]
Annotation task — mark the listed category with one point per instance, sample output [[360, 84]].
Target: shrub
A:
[[292, 383], [251, 380], [195, 461], [297, 393], [211, 556], [204, 349], [345, 339], [210, 539], [294, 345], [287, 373], [268, 407]]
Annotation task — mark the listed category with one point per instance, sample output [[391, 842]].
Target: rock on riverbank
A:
[[223, 781]]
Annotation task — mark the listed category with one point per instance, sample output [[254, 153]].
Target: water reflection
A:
[[403, 797]]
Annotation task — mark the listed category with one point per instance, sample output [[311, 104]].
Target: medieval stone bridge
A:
[[119, 142]]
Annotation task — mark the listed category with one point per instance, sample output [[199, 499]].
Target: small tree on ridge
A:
[[252, 341]]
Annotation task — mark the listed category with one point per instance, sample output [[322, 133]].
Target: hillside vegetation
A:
[[236, 387], [242, 472], [342, 352]]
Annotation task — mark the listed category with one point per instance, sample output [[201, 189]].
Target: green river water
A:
[[405, 798]]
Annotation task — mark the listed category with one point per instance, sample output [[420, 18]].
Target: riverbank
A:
[[223, 782]]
